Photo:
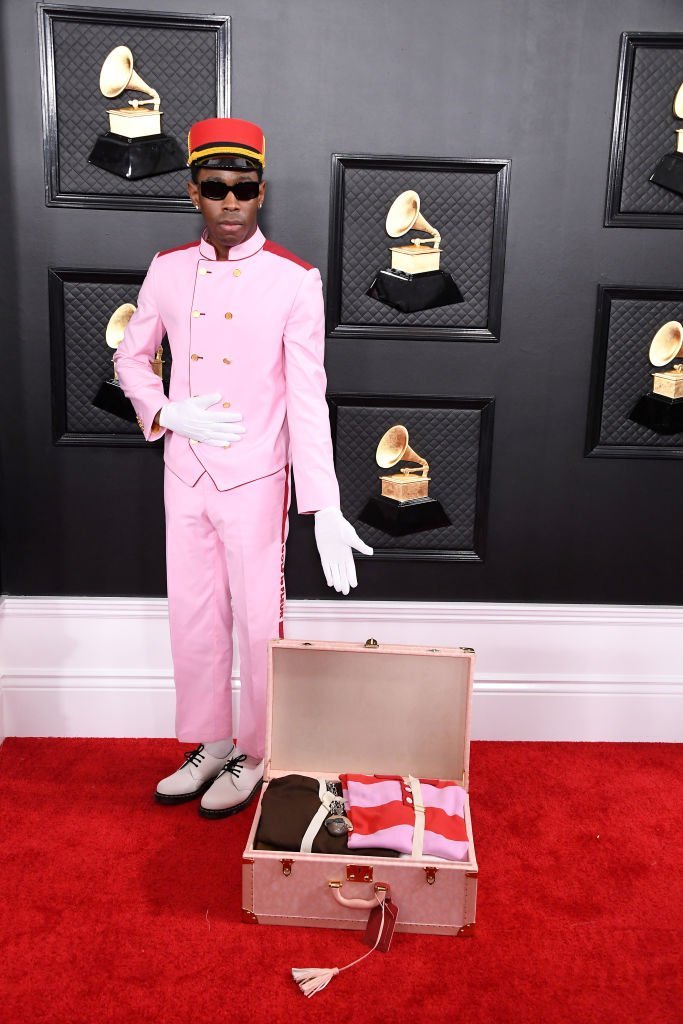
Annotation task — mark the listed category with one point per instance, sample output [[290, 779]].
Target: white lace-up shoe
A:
[[235, 786], [192, 779]]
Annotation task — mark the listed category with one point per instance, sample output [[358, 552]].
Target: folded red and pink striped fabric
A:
[[381, 810]]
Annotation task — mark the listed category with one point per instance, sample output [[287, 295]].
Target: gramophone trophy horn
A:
[[404, 215], [393, 447], [678, 103], [667, 343], [135, 146], [118, 322], [117, 74]]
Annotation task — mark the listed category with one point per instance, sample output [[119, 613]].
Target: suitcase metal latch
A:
[[356, 873], [286, 865], [430, 874], [371, 642]]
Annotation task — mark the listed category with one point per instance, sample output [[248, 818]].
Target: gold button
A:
[[192, 441], [194, 357], [227, 445], [203, 271], [236, 272], [228, 316], [226, 405], [196, 313], [227, 361]]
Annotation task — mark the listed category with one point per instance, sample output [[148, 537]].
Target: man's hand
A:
[[192, 418], [335, 538]]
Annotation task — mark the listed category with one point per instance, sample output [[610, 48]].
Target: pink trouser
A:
[[224, 561]]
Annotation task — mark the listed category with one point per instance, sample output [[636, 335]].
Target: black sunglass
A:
[[242, 191]]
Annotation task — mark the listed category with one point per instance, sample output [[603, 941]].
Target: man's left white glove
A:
[[335, 538]]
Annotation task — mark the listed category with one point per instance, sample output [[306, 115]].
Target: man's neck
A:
[[222, 251]]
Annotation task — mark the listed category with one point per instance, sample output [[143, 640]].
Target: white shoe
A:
[[192, 779], [235, 786]]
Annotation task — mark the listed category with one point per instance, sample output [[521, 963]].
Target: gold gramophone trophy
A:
[[404, 505], [135, 146], [110, 396], [669, 171], [662, 409], [414, 281]]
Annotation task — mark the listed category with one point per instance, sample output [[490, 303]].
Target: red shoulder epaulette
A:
[[179, 248], [277, 250]]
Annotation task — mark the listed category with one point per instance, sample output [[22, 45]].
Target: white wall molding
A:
[[102, 666]]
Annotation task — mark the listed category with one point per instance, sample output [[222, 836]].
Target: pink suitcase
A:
[[395, 710]]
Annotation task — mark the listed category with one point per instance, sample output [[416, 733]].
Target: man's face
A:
[[229, 221]]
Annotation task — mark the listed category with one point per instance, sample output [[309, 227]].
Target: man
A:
[[244, 320]]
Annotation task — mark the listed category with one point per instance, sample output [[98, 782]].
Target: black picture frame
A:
[[649, 71], [627, 318], [70, 85], [80, 359], [350, 313], [475, 455]]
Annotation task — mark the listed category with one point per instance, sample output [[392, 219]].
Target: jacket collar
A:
[[236, 252]]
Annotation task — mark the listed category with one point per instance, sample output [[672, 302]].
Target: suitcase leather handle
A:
[[380, 893]]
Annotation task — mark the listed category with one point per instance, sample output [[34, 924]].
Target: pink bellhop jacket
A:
[[252, 328]]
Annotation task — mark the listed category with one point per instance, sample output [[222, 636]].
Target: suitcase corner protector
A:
[[249, 917], [467, 931]]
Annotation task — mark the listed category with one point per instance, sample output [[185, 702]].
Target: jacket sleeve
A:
[[307, 413], [133, 358]]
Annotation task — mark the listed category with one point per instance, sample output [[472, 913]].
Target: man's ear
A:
[[193, 193]]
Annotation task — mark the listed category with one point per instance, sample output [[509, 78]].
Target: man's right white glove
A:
[[192, 418]]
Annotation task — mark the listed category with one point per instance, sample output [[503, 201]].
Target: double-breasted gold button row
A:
[[203, 271], [196, 314], [195, 358]]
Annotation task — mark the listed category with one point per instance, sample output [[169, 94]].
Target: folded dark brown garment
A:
[[287, 809]]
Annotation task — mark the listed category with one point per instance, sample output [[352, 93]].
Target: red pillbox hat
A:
[[226, 136]]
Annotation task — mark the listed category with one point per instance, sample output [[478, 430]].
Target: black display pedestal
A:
[[137, 158], [410, 293], [400, 518], [111, 398], [664, 415], [669, 172]]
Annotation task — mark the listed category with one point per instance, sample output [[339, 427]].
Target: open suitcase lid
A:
[[382, 710]]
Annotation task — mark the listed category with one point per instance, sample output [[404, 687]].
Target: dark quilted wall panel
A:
[[460, 206], [625, 341], [449, 438], [87, 358], [644, 130], [657, 74], [178, 60]]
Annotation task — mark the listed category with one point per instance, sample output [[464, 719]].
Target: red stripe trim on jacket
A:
[[179, 248], [285, 510], [277, 250]]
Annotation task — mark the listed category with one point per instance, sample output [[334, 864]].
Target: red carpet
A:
[[115, 909]]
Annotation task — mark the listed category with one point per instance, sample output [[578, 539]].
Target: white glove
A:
[[192, 418], [335, 537]]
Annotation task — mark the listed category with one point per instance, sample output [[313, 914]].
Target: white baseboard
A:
[[102, 666]]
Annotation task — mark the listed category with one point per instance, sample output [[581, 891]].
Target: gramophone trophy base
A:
[[669, 172], [137, 158], [400, 518], [111, 398], [663, 415], [409, 293], [405, 486]]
